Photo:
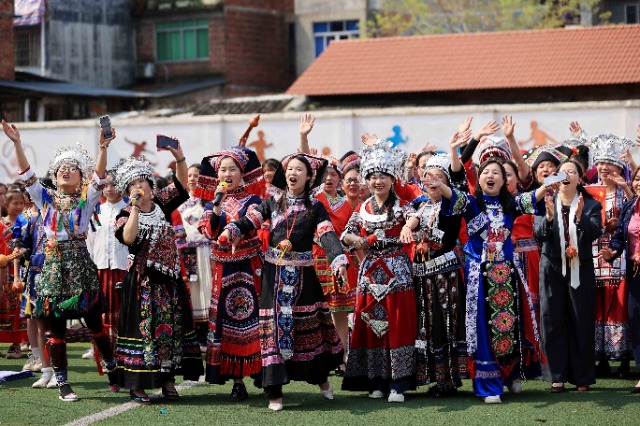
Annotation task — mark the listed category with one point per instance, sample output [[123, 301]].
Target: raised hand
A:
[[618, 180], [579, 207], [428, 147], [575, 129], [313, 152], [369, 139], [460, 139], [549, 206], [11, 131], [306, 124], [508, 126], [487, 130], [411, 161], [465, 124], [104, 142]]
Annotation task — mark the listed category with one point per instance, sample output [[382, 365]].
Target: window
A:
[[325, 32], [27, 46], [182, 41], [631, 14]]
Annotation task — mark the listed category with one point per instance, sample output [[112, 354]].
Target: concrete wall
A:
[[7, 59], [310, 11], [335, 132], [90, 42]]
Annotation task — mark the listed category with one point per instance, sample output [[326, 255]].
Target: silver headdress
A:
[[72, 155], [131, 169], [607, 148], [441, 162], [382, 157]]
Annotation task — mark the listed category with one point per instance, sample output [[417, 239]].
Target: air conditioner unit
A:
[[146, 70]]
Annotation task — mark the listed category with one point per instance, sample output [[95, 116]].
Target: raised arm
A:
[[101, 162], [508, 126], [182, 171], [12, 133], [488, 129], [457, 140], [306, 126]]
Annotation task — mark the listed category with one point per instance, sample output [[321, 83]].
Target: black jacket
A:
[[588, 229]]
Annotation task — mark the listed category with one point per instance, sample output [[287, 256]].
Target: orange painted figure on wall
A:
[[539, 137], [259, 145]]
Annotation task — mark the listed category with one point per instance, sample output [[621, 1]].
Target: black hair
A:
[[160, 182], [422, 154], [196, 165], [271, 162], [580, 187], [507, 200], [282, 203]]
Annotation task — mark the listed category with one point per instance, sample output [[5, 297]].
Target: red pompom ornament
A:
[[571, 252], [223, 240], [372, 239]]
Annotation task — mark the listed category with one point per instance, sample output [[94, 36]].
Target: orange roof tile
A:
[[499, 60]]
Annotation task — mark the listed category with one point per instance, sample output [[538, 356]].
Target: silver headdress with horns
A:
[[73, 155], [132, 169], [441, 162], [382, 157]]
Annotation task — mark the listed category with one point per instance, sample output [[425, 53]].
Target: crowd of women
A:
[[394, 271]]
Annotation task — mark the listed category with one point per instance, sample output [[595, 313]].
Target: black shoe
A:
[[624, 371], [170, 395], [66, 394], [339, 372], [144, 400], [603, 369], [436, 391], [238, 393]]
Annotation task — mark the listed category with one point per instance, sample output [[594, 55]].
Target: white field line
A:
[[113, 411]]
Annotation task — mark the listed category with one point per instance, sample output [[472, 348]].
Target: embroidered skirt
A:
[[340, 297], [156, 337], [298, 338], [382, 347], [69, 285], [233, 342], [13, 326]]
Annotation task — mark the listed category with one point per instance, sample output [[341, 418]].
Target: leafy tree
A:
[[416, 17]]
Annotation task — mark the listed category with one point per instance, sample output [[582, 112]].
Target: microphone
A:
[[135, 197], [220, 195]]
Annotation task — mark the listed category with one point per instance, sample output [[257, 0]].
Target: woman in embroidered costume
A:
[[567, 282], [69, 285], [269, 168], [382, 354], [352, 182], [233, 346], [13, 326], [156, 337], [195, 252], [109, 255], [298, 338], [34, 240], [612, 340], [493, 328], [626, 239], [439, 282], [339, 294]]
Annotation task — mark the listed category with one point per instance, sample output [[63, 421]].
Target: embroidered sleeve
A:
[[408, 211], [526, 204], [353, 225], [324, 227], [34, 188], [171, 197], [457, 205], [254, 217], [339, 261], [328, 238], [121, 221], [211, 225]]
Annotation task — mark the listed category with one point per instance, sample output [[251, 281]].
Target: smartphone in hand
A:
[[163, 142], [105, 124], [557, 177]]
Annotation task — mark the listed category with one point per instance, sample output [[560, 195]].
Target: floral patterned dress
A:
[[156, 337]]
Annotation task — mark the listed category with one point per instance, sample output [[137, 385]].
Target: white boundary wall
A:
[[335, 130]]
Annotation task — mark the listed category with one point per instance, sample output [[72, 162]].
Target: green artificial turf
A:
[[608, 403]]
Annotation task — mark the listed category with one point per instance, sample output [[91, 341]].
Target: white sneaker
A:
[[53, 383], [395, 397], [376, 394], [43, 381], [516, 387], [276, 406], [32, 364], [327, 393], [88, 354], [493, 399]]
